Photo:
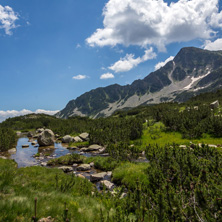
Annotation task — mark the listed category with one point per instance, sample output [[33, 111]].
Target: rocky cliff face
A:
[[192, 72]]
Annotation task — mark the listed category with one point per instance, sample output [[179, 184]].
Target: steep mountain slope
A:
[[191, 72]]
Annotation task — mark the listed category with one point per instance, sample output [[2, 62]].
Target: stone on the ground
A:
[[93, 147], [18, 133], [77, 139], [48, 219], [46, 138], [11, 151], [75, 165], [3, 157], [92, 164], [212, 146], [66, 168], [84, 136], [214, 104], [183, 146], [81, 176], [123, 195], [84, 167], [97, 176], [25, 145], [67, 139], [109, 173], [107, 184], [43, 164]]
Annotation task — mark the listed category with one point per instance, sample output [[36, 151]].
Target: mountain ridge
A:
[[190, 73]]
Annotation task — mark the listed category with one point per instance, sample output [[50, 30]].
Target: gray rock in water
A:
[[107, 184], [84, 167], [66, 169], [25, 145], [11, 151], [34, 143], [67, 139], [84, 136], [46, 138], [97, 176]]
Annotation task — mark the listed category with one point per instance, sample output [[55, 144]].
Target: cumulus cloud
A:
[[12, 113], [161, 64], [129, 61], [7, 19], [213, 46], [79, 77], [107, 76], [154, 22]]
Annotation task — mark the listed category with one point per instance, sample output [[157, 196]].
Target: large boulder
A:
[[67, 139], [46, 138], [84, 136]]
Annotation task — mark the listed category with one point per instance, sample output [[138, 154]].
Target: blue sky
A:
[[54, 51]]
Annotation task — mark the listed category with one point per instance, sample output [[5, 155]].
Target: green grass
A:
[[67, 160], [19, 188], [80, 144], [103, 163], [129, 174], [157, 134]]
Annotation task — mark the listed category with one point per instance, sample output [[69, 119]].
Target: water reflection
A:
[[24, 156]]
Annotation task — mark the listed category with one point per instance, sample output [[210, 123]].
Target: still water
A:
[[24, 156]]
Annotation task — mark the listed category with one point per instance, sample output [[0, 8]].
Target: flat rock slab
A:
[[107, 184], [97, 176], [83, 167], [91, 148], [25, 145], [66, 169]]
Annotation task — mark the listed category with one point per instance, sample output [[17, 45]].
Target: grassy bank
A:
[[52, 188]]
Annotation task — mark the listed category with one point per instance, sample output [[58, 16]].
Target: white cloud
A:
[[128, 62], [213, 46], [12, 113], [154, 22], [78, 46], [7, 19], [161, 64], [107, 76], [79, 77]]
